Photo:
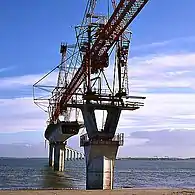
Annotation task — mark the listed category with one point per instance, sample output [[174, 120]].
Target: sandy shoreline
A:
[[97, 192]]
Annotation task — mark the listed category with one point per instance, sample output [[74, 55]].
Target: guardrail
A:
[[119, 137]]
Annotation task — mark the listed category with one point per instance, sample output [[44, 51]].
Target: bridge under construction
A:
[[92, 89]]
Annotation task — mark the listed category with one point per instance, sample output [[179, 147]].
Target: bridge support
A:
[[100, 158], [51, 159], [57, 135], [100, 147], [71, 154], [59, 156]]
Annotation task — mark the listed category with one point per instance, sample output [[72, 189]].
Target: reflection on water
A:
[[73, 176], [36, 174], [56, 180]]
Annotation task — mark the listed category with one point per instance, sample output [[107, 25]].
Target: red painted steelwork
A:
[[122, 16]]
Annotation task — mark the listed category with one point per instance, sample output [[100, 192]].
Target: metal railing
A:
[[119, 137]]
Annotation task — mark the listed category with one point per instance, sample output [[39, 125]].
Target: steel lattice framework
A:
[[83, 65]]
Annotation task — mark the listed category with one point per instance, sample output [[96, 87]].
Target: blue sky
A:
[[161, 65]]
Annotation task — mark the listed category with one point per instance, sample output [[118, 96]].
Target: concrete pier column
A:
[[100, 146], [100, 159], [67, 154], [81, 156], [70, 154], [51, 159], [59, 156], [74, 155]]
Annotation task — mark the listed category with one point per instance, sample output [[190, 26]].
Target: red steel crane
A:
[[96, 56], [86, 61]]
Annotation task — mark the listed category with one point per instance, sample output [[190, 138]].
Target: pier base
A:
[[59, 156], [100, 157]]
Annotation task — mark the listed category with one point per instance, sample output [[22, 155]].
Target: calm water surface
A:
[[35, 173]]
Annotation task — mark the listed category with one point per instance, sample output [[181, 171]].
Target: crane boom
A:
[[123, 15]]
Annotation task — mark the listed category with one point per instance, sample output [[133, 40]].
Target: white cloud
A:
[[162, 71], [174, 70], [174, 60], [180, 40], [20, 114], [146, 65], [185, 117], [151, 72], [26, 80], [161, 111]]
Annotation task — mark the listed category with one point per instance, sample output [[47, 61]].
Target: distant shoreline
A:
[[120, 158], [154, 158]]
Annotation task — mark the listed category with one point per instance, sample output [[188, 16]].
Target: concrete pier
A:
[[51, 154], [71, 154], [100, 146], [57, 135], [59, 152], [59, 156], [100, 158]]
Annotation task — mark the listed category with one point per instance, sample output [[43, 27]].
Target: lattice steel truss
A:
[[82, 72]]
